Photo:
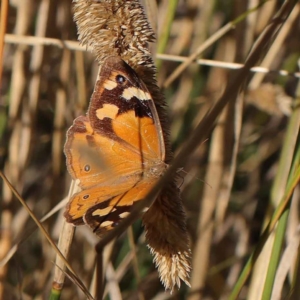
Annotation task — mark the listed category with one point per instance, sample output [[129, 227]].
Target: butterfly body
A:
[[116, 152]]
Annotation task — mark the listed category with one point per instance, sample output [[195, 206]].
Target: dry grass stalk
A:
[[12, 167], [260, 270], [74, 45]]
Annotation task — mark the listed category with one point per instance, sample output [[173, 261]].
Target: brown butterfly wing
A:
[[95, 159], [120, 107], [102, 213], [116, 152], [82, 201]]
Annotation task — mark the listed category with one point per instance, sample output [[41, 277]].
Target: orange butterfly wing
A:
[[116, 152]]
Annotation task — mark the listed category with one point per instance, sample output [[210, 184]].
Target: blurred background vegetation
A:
[[230, 185]]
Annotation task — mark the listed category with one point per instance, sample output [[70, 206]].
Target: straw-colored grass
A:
[[234, 132]]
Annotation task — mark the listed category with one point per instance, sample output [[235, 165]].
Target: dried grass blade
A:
[[285, 169], [28, 232], [295, 179], [211, 40], [3, 22], [45, 233]]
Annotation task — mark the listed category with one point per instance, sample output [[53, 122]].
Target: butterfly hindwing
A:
[[102, 223], [107, 215], [94, 207]]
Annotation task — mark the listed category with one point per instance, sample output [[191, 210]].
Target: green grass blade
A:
[[288, 148], [276, 216], [164, 37]]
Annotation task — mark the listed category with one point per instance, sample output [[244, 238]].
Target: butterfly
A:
[[116, 152]]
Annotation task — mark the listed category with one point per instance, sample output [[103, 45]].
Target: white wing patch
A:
[[131, 92]]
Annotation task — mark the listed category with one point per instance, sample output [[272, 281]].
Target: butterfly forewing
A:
[[126, 105], [116, 152], [95, 159]]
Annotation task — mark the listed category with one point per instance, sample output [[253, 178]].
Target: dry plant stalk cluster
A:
[[232, 181]]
